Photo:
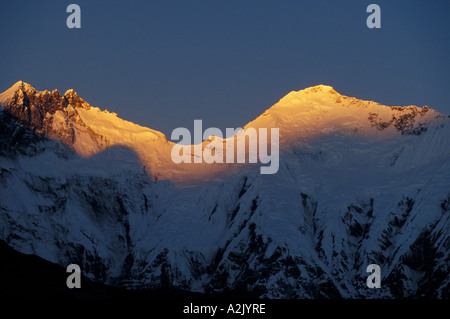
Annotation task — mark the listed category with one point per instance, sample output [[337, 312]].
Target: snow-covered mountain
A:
[[359, 183]]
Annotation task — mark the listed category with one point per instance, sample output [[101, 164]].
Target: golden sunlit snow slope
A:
[[301, 117]]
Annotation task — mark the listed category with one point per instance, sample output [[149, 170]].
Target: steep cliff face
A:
[[39, 110], [359, 183]]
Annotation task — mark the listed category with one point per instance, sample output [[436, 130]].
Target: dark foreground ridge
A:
[[25, 276], [29, 277]]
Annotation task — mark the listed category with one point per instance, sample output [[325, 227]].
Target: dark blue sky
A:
[[163, 64]]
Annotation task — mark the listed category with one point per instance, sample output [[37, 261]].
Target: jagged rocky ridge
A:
[[371, 190]]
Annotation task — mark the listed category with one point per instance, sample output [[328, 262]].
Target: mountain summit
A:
[[359, 183], [301, 116]]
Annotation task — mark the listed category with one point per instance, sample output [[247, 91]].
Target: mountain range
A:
[[359, 183]]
